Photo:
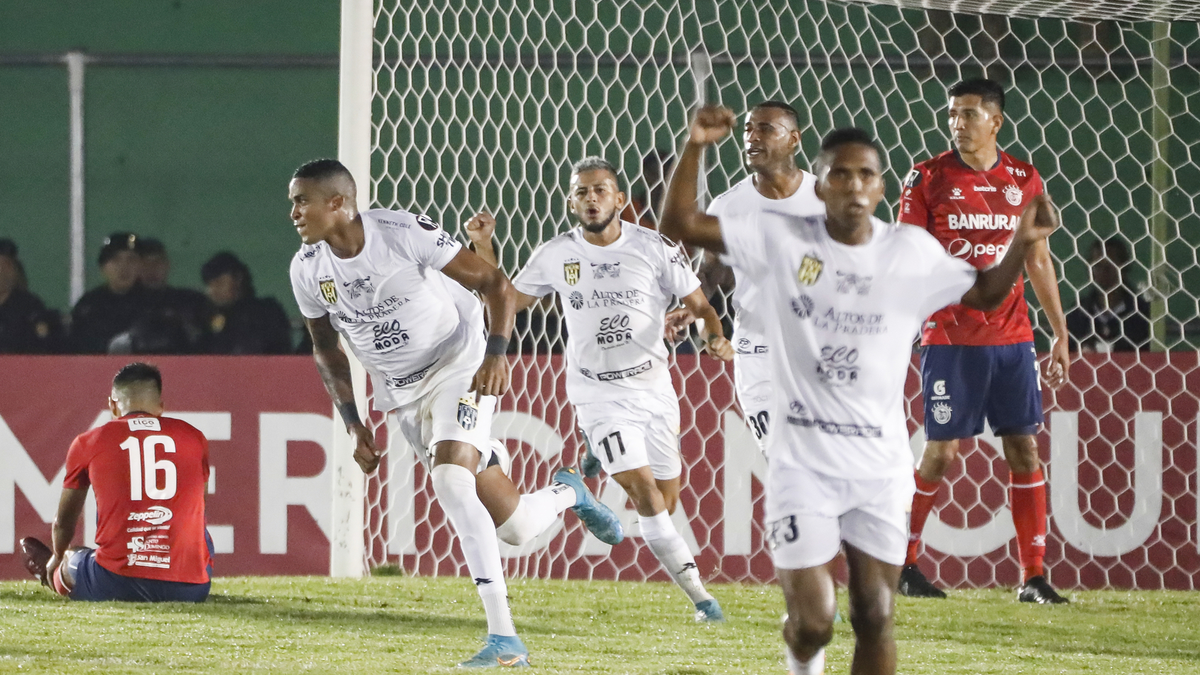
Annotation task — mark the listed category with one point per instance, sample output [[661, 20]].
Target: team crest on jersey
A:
[[329, 290], [606, 270], [571, 271], [359, 286], [1014, 195], [810, 270], [468, 413], [941, 412]]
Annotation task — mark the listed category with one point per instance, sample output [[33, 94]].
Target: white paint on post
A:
[[76, 64]]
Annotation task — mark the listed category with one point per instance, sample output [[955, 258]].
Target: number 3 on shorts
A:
[[784, 528]]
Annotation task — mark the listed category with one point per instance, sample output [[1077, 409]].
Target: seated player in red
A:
[[150, 474]]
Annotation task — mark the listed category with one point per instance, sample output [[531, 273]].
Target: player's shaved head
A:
[[988, 91], [330, 174], [595, 163], [788, 111], [137, 388]]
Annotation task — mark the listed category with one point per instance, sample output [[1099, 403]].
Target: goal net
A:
[[489, 106]]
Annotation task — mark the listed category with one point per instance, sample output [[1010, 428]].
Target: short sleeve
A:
[[912, 209], [745, 247], [306, 298], [676, 276], [1035, 185], [417, 237], [946, 278], [77, 470], [535, 279]]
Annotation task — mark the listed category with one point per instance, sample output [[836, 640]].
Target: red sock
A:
[[1027, 496], [922, 504]]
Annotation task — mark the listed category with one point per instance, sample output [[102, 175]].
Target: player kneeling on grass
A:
[[398, 288], [615, 280], [149, 474], [844, 295]]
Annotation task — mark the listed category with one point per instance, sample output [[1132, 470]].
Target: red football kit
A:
[[973, 214], [150, 475]]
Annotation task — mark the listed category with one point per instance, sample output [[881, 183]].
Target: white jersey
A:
[[614, 299], [738, 202], [841, 321], [397, 311]]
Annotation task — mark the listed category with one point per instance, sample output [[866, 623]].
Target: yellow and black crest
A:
[[571, 271], [810, 270], [329, 291]]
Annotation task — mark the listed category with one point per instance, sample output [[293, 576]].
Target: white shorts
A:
[[448, 411], [752, 383], [642, 430], [809, 515]]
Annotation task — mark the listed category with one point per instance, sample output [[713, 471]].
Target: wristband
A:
[[497, 345]]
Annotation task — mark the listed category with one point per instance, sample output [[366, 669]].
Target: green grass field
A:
[[420, 625]]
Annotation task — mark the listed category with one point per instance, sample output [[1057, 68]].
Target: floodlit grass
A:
[[418, 625]]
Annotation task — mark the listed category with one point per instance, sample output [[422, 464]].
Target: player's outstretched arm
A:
[[711, 331], [1040, 268], [994, 284], [500, 300], [480, 228], [334, 369], [70, 507], [681, 220]]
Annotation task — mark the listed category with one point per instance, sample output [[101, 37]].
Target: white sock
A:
[[455, 489], [536, 513], [814, 666], [672, 551]]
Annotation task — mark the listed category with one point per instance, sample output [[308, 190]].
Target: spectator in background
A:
[[242, 323], [109, 310], [183, 312], [26, 326], [1111, 316]]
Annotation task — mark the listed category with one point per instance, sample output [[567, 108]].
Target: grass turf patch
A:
[[420, 625]]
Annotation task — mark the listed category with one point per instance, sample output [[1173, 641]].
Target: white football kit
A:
[[614, 299], [751, 365], [840, 323], [417, 332]]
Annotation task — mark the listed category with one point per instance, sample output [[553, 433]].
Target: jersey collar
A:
[[999, 159]]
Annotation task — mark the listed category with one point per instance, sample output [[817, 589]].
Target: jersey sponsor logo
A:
[[1013, 169], [810, 270], [426, 223], [468, 413], [614, 332], [942, 412], [389, 336], [981, 221], [835, 428], [1014, 195], [985, 188], [144, 424], [444, 240], [614, 375], [850, 323], [148, 560], [602, 270], [836, 367], [802, 306], [745, 346], [961, 248], [139, 544], [359, 286], [309, 253], [913, 179], [628, 298], [376, 312], [571, 271], [939, 388], [956, 193], [848, 281], [155, 515], [397, 382], [576, 299], [329, 290]]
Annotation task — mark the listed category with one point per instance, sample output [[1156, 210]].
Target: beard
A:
[[599, 224]]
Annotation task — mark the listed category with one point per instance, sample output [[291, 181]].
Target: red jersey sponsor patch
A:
[[973, 214]]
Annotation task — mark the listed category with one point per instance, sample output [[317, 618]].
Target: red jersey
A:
[[150, 475], [973, 214]]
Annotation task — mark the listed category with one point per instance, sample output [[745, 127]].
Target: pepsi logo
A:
[[959, 248]]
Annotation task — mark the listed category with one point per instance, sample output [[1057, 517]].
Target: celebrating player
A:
[[983, 364], [149, 474], [843, 295], [615, 280], [771, 137], [398, 288]]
